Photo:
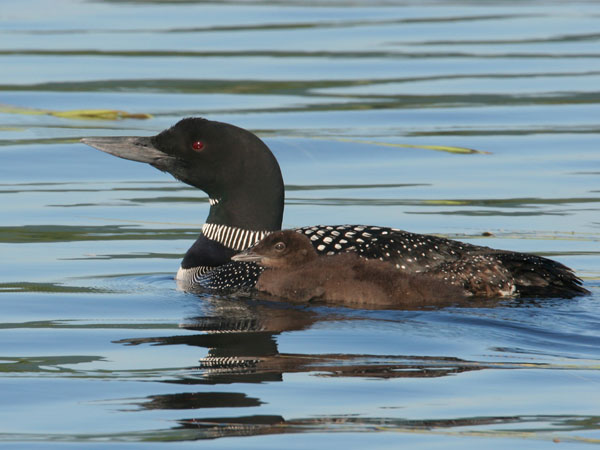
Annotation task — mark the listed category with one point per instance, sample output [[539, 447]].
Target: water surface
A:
[[99, 347]]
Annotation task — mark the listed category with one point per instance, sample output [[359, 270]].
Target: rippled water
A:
[[98, 346]]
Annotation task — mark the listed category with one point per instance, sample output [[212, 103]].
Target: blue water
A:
[[98, 347]]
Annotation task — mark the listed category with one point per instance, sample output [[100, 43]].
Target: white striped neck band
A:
[[232, 237]]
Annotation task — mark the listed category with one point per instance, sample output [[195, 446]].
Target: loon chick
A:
[[246, 195], [295, 272]]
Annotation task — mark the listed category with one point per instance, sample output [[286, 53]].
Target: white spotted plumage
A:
[[456, 262]]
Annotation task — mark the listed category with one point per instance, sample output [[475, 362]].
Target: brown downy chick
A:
[[295, 272]]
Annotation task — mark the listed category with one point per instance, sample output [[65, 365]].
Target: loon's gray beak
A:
[[134, 148], [247, 256]]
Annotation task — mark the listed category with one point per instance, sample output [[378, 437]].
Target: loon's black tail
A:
[[536, 276]]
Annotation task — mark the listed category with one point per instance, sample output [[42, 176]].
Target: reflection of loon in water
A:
[[245, 350], [242, 350], [243, 180], [297, 273]]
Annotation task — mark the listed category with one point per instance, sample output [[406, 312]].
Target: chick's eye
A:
[[280, 246], [198, 145]]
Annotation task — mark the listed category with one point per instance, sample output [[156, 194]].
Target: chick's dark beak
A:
[[247, 256]]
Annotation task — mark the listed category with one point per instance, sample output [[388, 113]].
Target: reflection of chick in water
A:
[[297, 273]]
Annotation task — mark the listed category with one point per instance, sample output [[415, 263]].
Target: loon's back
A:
[[483, 271]]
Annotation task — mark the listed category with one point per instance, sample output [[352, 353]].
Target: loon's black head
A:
[[232, 165]]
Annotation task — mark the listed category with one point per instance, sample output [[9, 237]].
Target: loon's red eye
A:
[[198, 145]]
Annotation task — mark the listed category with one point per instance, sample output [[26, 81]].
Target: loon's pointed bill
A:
[[134, 148]]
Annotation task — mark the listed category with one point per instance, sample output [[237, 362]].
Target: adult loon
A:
[[295, 272], [245, 187]]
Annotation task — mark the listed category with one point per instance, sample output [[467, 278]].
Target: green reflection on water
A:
[[65, 233]]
